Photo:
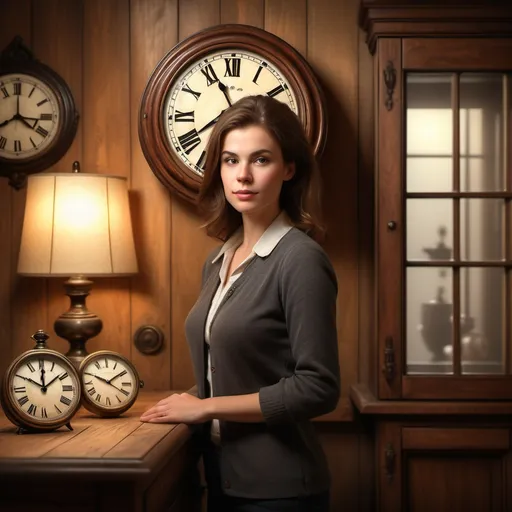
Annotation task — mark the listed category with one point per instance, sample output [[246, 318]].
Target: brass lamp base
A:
[[78, 324]]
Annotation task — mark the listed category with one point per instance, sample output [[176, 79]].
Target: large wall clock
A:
[[38, 118], [201, 77]]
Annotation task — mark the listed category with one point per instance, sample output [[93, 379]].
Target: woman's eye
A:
[[261, 160], [230, 160]]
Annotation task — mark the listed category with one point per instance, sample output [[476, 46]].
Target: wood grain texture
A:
[[189, 243], [366, 212], [333, 26], [194, 15], [106, 143], [17, 446], [340, 443], [389, 206], [247, 12], [92, 437], [153, 32], [288, 20], [429, 438], [15, 20]]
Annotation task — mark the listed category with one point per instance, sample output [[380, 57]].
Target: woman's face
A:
[[253, 171]]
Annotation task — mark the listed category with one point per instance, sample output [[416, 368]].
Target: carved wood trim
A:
[[398, 18]]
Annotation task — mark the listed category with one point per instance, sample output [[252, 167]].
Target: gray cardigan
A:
[[274, 333]]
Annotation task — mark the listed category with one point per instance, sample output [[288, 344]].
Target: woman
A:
[[262, 334]]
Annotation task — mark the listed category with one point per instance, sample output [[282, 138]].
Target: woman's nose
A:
[[244, 173]]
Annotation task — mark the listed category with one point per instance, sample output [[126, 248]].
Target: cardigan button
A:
[[213, 369], [227, 484]]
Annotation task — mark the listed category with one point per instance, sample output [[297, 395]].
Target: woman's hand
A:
[[177, 408]]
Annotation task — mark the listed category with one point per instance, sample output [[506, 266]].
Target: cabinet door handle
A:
[[388, 369], [389, 461], [390, 81]]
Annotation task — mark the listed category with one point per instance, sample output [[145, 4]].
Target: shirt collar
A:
[[267, 242]]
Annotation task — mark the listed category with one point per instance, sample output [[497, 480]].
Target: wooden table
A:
[[115, 464]]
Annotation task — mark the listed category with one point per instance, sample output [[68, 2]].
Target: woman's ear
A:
[[289, 172]]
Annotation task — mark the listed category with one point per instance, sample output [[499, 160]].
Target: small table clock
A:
[[110, 383], [41, 389]]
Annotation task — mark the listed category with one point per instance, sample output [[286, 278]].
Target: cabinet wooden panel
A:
[[448, 479], [443, 467]]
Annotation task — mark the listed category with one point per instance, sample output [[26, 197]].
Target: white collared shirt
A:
[[263, 247]]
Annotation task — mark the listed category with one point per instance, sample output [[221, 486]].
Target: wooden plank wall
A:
[[106, 51]]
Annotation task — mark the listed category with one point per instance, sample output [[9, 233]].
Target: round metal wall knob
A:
[[149, 339], [391, 225]]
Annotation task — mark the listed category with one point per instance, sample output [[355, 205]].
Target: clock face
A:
[[201, 77], [206, 88], [44, 389], [109, 381], [29, 116]]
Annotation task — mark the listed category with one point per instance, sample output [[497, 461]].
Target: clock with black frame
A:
[[38, 117], [200, 78]]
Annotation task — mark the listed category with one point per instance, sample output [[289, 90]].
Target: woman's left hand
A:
[[177, 408]]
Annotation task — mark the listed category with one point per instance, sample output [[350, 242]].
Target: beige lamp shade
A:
[[77, 224]]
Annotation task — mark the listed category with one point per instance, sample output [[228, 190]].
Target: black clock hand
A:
[[97, 376], [104, 380], [42, 375], [211, 123], [122, 372], [19, 116], [224, 90], [22, 119], [53, 380], [17, 104], [7, 121], [29, 379]]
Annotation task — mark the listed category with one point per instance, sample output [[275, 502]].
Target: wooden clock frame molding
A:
[[17, 58], [168, 168]]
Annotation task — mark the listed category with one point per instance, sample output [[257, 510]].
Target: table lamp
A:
[[77, 225]]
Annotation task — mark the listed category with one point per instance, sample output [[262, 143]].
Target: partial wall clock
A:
[[38, 118], [201, 77]]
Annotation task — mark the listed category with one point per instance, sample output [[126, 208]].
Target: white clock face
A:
[[205, 89], [109, 382], [42, 389], [29, 116]]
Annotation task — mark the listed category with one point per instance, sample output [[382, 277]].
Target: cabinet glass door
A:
[[458, 241]]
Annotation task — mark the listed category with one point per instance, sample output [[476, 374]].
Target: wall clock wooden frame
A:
[[16, 58], [164, 162]]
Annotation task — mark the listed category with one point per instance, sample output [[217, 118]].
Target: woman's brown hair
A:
[[300, 196]]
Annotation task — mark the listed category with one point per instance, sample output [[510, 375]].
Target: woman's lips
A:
[[244, 195]]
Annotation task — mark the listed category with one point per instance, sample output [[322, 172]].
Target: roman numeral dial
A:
[[110, 383], [29, 116], [42, 389], [205, 74], [206, 88]]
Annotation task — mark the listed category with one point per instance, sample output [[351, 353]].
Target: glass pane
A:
[[481, 229], [482, 320], [429, 320], [429, 229], [481, 132], [429, 134]]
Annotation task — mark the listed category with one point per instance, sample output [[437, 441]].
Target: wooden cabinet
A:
[[103, 464], [441, 285]]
